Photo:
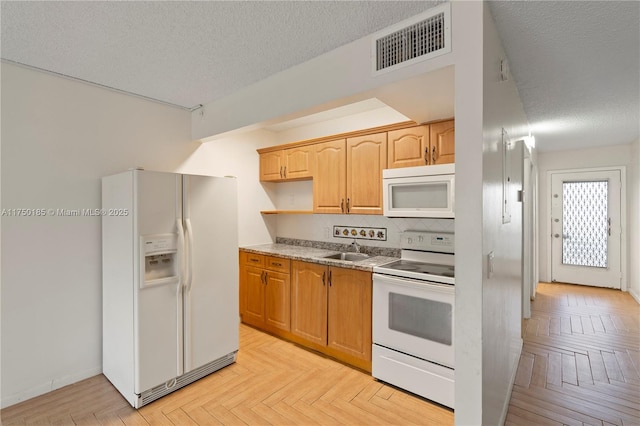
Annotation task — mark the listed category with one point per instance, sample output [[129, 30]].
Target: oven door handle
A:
[[383, 279]]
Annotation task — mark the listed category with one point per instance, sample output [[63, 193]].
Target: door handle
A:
[[609, 226], [556, 235]]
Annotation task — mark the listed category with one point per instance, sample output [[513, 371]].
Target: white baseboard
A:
[[41, 389], [635, 296], [514, 371]]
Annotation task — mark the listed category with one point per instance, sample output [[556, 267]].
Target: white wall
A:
[[237, 156], [633, 182], [616, 155], [501, 289], [58, 138]]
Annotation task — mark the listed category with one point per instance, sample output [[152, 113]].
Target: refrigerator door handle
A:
[[189, 257], [181, 274]]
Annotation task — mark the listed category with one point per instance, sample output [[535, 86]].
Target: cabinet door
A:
[[277, 300], [298, 162], [443, 142], [309, 301], [349, 315], [271, 166], [366, 157], [329, 184], [408, 147], [253, 289]]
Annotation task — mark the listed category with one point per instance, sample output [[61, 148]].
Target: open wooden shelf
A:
[[286, 212]]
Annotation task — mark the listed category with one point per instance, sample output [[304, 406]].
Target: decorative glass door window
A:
[[585, 223]]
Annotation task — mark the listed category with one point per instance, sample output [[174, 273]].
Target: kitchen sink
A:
[[351, 257]]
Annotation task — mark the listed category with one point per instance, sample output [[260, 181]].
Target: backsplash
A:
[[320, 227], [360, 233]]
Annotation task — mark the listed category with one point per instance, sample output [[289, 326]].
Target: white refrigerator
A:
[[170, 280]]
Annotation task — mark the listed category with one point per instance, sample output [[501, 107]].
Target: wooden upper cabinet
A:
[[408, 147], [271, 165], [348, 175], [422, 145], [287, 164], [366, 157], [298, 162], [329, 180], [443, 142]]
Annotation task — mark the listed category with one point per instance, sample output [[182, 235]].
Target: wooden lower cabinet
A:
[[331, 311], [349, 313], [309, 302], [265, 289]]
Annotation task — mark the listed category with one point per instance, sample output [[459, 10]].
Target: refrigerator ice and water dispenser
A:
[[160, 259]]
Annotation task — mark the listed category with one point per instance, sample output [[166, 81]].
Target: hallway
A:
[[580, 362]]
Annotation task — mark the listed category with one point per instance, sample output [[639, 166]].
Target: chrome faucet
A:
[[356, 245]]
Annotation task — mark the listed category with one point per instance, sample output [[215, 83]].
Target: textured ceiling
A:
[[577, 68], [185, 52], [576, 63]]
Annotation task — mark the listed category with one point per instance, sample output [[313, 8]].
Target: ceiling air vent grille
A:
[[424, 39]]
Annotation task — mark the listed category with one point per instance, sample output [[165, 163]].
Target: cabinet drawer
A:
[[278, 264], [253, 259]]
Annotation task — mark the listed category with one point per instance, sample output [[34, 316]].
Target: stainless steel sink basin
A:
[[351, 257]]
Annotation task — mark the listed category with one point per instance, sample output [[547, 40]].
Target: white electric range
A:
[[413, 317]]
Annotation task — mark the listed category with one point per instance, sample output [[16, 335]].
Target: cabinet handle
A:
[[329, 278], [285, 172], [253, 259], [348, 205], [276, 264], [324, 276], [426, 155], [433, 155], [342, 205], [265, 277], [280, 171]]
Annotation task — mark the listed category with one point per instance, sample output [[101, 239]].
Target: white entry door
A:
[[585, 228]]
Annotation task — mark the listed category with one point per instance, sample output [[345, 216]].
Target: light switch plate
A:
[[490, 258]]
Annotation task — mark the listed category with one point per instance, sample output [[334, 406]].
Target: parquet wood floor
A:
[[579, 366], [580, 363], [272, 382]]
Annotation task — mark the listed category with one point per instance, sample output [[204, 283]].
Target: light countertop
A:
[[316, 255]]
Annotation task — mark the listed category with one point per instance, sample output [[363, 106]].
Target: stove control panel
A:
[[428, 241]]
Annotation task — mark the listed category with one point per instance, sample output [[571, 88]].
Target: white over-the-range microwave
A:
[[422, 191]]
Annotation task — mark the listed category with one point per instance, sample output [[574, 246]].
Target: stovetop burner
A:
[[425, 256], [421, 268]]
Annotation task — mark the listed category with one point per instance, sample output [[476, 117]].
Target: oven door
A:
[[414, 317]]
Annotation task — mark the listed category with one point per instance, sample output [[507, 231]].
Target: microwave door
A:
[[426, 196]]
